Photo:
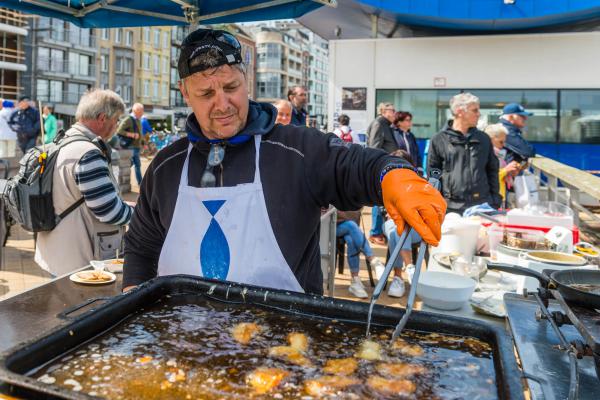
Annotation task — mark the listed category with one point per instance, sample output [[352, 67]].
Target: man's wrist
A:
[[391, 167]]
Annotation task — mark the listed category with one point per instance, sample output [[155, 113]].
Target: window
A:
[[43, 58], [104, 63], [57, 60], [165, 90], [127, 94], [269, 85], [155, 89], [146, 61], [80, 64], [129, 38], [128, 65], [269, 56], [431, 112], [105, 34], [157, 38], [146, 91], [57, 30], [42, 87], [75, 91], [146, 34], [174, 76], [165, 40], [165, 68], [118, 90], [118, 35], [156, 64], [119, 65], [579, 116], [56, 91]]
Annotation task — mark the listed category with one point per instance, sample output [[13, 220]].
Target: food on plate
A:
[[290, 354], [327, 385], [264, 379], [245, 331], [93, 276], [400, 370], [369, 350], [299, 341], [341, 366], [586, 250], [407, 349], [391, 386], [586, 287], [116, 261]]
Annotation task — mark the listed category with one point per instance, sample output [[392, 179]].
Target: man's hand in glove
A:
[[409, 198]]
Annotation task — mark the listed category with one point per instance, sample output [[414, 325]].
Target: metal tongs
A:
[[433, 181]]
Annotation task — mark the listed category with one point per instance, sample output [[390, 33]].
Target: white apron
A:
[[224, 233]]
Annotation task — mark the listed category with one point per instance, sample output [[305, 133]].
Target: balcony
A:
[[10, 91], [12, 56], [64, 69], [67, 38], [13, 18]]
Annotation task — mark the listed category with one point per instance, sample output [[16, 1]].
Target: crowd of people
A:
[[477, 168], [214, 204]]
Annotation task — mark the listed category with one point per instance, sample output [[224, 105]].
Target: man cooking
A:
[[240, 198]]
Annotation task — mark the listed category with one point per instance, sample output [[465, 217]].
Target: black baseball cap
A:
[[24, 98], [226, 47]]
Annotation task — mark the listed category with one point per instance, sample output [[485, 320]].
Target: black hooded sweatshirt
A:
[[469, 168], [302, 170]]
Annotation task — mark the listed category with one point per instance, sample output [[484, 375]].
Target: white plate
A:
[[75, 278], [568, 259]]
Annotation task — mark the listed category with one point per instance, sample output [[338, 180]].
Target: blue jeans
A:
[[377, 221], [137, 164], [389, 229], [29, 144], [355, 242]]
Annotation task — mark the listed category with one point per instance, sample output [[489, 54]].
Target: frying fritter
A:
[[328, 385], [369, 350], [407, 349], [341, 366], [299, 341], [290, 354], [245, 331], [391, 386], [264, 379], [400, 370]]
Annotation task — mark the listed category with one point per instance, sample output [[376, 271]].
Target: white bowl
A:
[[444, 290]]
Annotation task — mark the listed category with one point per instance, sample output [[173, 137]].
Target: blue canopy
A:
[[354, 18], [121, 13]]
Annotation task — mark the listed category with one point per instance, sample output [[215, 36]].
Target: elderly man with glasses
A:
[[239, 199]]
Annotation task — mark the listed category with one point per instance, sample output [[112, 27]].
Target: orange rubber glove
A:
[[408, 197]]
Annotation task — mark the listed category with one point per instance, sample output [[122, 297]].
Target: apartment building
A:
[[116, 61], [63, 64], [290, 55], [279, 64], [153, 67], [13, 30]]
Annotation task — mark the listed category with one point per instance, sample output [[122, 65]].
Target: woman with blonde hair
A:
[[506, 172]]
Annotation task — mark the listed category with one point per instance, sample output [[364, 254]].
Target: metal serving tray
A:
[[17, 364]]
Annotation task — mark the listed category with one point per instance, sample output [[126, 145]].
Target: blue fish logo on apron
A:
[[214, 249]]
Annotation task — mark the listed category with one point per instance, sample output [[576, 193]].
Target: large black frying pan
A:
[[561, 281]]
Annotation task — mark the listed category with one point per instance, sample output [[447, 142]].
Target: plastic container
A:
[[544, 214], [444, 290]]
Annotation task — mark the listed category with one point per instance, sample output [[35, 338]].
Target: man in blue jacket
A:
[[514, 118], [26, 122]]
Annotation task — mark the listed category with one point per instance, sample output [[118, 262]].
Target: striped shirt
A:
[[100, 195]]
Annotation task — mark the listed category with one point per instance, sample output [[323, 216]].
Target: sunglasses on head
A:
[[200, 35]]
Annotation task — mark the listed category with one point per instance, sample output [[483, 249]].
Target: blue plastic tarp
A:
[[123, 13]]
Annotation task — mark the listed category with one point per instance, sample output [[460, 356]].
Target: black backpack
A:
[[28, 195]]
